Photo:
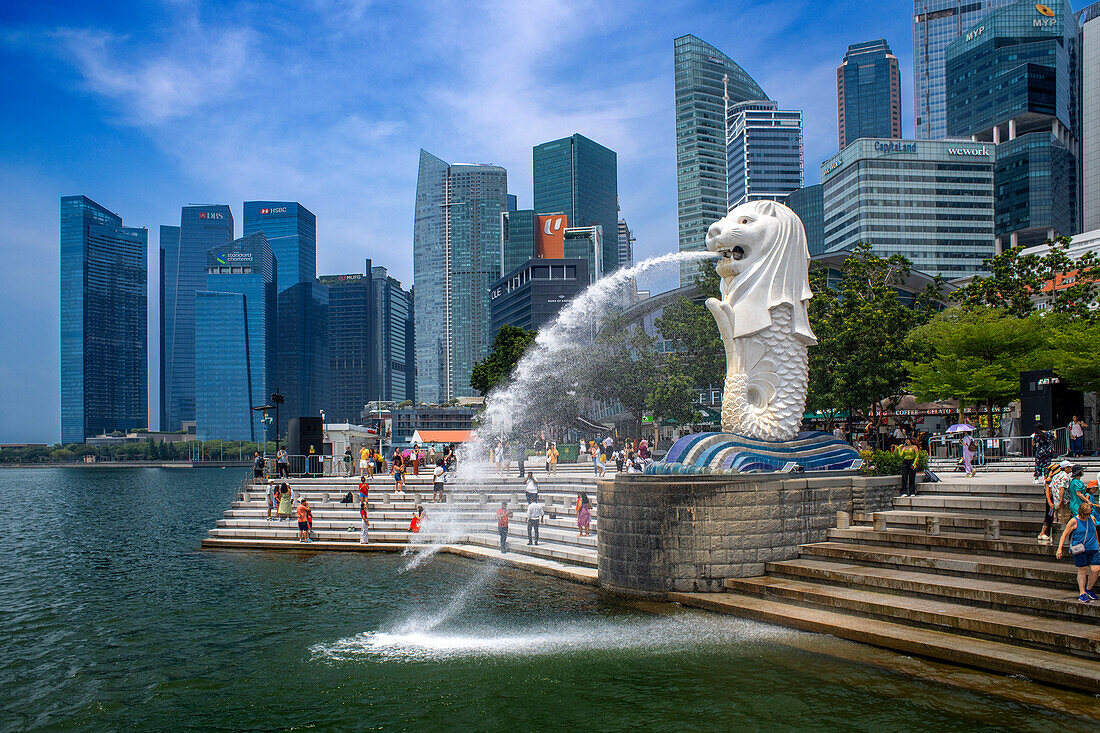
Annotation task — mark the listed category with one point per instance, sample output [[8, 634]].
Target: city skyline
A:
[[159, 113]]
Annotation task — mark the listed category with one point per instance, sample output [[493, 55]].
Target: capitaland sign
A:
[[273, 210], [211, 215], [980, 150], [887, 147]]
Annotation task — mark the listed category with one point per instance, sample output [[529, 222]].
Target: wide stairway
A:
[[954, 573], [467, 517]]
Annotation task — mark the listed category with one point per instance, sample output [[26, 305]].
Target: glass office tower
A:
[[701, 191], [235, 341], [302, 370], [868, 93], [1014, 81], [517, 238], [1089, 20], [579, 177], [626, 244], [763, 152], [351, 374], [809, 204], [456, 257], [936, 23], [929, 200], [104, 339], [183, 266], [394, 337]]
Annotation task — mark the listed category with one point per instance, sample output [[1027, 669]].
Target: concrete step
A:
[[287, 533], [975, 544], [551, 551], [1036, 664], [949, 522], [1041, 600], [965, 503], [1020, 490], [1074, 637], [1060, 575]]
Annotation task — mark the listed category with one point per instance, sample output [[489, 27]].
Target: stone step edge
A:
[[975, 544], [903, 583], [1050, 668]]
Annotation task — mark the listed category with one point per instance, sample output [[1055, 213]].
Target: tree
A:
[[672, 397], [861, 326], [1016, 279], [975, 354], [509, 346], [1071, 351], [623, 367]]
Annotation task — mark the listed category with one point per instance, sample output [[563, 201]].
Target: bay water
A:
[[113, 618]]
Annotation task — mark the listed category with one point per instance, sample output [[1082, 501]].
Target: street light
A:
[[276, 400]]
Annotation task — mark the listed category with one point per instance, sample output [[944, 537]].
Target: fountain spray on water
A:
[[549, 371]]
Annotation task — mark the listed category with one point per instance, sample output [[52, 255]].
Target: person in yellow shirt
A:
[[909, 454], [366, 462]]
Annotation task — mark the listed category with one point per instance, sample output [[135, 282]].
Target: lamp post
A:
[[276, 400]]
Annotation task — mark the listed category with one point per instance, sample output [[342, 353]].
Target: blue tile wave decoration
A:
[[725, 453]]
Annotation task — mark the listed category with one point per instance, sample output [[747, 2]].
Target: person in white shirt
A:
[[532, 487], [437, 482], [534, 516]]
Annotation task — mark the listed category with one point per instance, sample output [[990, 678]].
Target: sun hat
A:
[[1065, 464]]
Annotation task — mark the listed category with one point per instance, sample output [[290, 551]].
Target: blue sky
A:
[[148, 106]]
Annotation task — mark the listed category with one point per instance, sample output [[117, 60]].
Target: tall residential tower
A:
[[456, 258]]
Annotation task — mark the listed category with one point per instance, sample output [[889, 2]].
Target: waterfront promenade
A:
[[953, 573]]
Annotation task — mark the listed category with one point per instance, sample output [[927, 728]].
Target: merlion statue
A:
[[762, 318]]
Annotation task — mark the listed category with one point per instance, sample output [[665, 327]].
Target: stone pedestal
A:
[[689, 533]]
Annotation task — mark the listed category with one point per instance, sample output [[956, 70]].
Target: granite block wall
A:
[[689, 533]]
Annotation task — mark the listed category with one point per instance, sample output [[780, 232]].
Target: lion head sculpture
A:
[[764, 263]]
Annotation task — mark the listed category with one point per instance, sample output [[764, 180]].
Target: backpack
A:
[[347, 499]]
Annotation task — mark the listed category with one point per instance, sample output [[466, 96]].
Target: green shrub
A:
[[887, 463]]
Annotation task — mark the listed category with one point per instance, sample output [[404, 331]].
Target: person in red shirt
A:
[[503, 515], [418, 517], [305, 518], [363, 538], [364, 487]]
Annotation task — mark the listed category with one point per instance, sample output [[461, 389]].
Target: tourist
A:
[[594, 452], [1076, 431], [503, 515], [349, 463], [582, 451], [1081, 532], [305, 518], [364, 487], [1076, 493], [398, 472], [534, 517], [968, 451], [531, 487], [417, 519], [1059, 491], [521, 455], [909, 454], [1051, 503], [619, 459], [608, 445], [270, 493], [552, 459], [364, 530], [1043, 442], [257, 468], [365, 461], [282, 463], [379, 460], [286, 501], [437, 482], [643, 449], [899, 435], [838, 432], [498, 457], [584, 514]]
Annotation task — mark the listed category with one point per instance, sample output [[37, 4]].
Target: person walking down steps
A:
[[1081, 532], [534, 517], [503, 515]]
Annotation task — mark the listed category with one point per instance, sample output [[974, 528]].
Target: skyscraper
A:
[[936, 23], [394, 337], [456, 257], [809, 204], [868, 93], [701, 138], [183, 273], [763, 152], [104, 341], [1013, 80], [1089, 19], [302, 367], [579, 177], [235, 340], [626, 245]]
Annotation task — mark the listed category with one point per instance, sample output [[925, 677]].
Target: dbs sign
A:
[[551, 236]]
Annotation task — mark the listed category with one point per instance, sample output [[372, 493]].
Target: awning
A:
[[424, 437]]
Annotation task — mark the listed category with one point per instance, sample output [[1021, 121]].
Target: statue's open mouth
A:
[[736, 253]]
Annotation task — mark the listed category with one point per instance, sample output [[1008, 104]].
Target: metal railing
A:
[[949, 446]]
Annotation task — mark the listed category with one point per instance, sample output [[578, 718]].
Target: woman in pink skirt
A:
[[584, 514]]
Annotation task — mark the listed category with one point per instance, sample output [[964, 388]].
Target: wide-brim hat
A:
[[1065, 464]]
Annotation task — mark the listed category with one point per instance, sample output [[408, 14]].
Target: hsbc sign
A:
[[275, 210]]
